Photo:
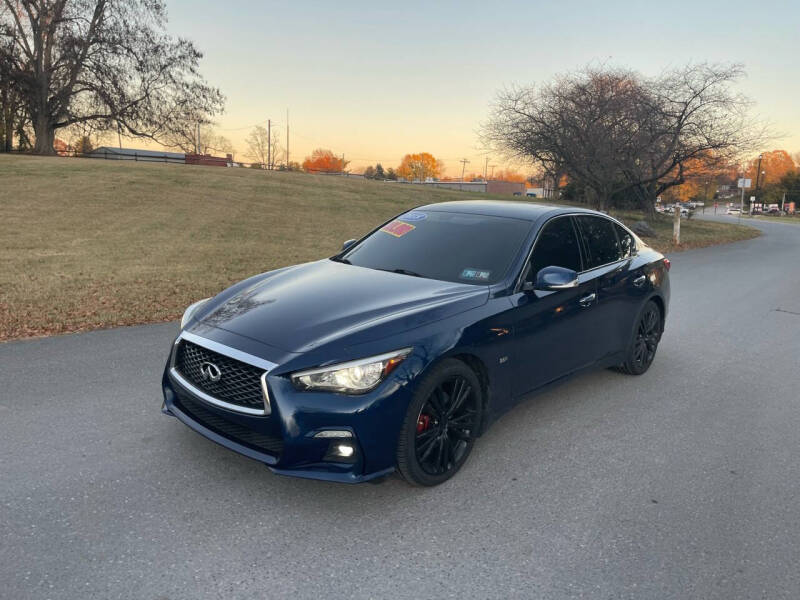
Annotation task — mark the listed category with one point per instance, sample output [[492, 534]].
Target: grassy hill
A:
[[91, 243]]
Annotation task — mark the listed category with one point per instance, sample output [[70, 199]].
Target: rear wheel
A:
[[440, 425], [645, 341]]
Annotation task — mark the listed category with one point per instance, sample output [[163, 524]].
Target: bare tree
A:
[[11, 110], [258, 145], [109, 62], [689, 118], [613, 131], [276, 152], [200, 139], [264, 147]]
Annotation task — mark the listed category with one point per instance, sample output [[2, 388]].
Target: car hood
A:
[[303, 307]]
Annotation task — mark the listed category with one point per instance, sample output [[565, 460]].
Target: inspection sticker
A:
[[475, 274], [397, 228]]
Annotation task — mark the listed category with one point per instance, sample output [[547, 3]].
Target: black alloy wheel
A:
[[645, 342], [441, 424]]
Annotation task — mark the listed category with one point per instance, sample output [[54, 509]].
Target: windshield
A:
[[448, 246]]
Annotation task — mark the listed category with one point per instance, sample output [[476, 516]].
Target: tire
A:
[[646, 336], [441, 423]]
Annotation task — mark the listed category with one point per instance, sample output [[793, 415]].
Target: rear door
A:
[[610, 249]]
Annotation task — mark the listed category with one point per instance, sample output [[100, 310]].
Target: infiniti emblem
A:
[[210, 372]]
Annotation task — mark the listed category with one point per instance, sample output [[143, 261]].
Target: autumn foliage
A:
[[325, 161], [509, 175], [420, 166], [774, 165]]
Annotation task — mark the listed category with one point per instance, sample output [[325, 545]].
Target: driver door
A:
[[554, 333]]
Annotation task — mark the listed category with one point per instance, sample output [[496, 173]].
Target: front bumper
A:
[[284, 439]]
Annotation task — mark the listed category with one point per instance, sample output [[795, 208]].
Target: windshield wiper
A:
[[404, 272], [341, 260]]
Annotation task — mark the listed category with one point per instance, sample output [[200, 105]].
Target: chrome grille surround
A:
[[232, 354]]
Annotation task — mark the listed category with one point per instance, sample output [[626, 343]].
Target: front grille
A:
[[239, 383], [269, 444]]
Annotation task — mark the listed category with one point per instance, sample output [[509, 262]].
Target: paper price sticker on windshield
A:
[[397, 228]]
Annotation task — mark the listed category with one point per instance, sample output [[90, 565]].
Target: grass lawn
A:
[[86, 244]]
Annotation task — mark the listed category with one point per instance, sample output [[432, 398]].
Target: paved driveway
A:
[[683, 483]]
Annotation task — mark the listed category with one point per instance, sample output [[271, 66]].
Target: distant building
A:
[[539, 192], [111, 153], [486, 187], [207, 160]]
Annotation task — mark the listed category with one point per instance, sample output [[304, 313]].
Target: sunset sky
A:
[[375, 82]]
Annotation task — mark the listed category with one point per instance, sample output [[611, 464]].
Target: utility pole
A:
[[342, 163], [463, 162], [485, 168], [741, 202], [269, 144], [287, 139], [492, 168], [197, 138], [758, 177]]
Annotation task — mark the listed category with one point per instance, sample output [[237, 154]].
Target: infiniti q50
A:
[[398, 352]]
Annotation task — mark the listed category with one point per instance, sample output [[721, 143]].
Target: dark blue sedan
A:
[[401, 350]]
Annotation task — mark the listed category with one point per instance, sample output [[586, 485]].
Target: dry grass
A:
[[88, 244]]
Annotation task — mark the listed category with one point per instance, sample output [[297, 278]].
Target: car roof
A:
[[515, 209]]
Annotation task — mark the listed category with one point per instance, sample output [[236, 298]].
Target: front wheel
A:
[[643, 347], [440, 425]]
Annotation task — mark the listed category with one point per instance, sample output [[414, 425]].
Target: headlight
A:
[[187, 314], [355, 377]]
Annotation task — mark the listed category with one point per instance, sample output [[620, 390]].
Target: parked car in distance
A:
[[733, 210], [398, 352], [671, 210]]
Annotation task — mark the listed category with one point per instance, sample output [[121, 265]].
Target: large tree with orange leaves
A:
[[774, 165], [509, 175], [420, 166], [324, 161]]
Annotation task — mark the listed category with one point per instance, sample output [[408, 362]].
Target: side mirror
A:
[[555, 278], [347, 244]]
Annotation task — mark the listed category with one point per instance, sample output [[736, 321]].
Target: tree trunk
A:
[[646, 197], [45, 136]]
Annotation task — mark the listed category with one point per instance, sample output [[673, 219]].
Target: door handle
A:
[[587, 300], [639, 281]]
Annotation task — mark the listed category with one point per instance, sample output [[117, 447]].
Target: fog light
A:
[[341, 451], [344, 450]]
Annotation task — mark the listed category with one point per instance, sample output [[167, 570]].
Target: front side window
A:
[[449, 246], [601, 240], [557, 246]]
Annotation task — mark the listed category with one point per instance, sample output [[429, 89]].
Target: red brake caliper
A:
[[423, 423]]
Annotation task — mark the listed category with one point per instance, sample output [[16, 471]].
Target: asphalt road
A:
[[682, 483]]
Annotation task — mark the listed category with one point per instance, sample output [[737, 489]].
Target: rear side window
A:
[[626, 244], [557, 246], [600, 239]]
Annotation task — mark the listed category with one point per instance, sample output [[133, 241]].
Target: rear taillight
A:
[[667, 263]]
